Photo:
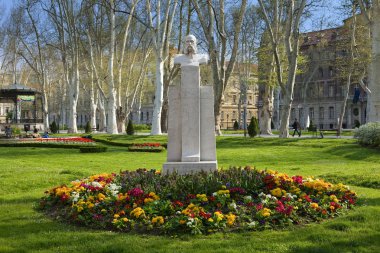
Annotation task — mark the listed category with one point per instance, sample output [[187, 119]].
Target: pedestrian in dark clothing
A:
[[297, 128]]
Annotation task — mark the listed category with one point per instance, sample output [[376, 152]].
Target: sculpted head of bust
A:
[[190, 45]]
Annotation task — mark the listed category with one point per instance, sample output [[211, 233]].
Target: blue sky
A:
[[325, 16]]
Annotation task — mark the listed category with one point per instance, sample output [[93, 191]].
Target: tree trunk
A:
[[112, 97], [267, 111], [158, 99], [373, 102], [102, 115], [343, 111], [285, 114]]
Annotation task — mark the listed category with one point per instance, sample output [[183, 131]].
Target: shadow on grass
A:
[[354, 152]]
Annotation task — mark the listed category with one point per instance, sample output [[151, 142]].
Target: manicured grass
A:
[[25, 173]]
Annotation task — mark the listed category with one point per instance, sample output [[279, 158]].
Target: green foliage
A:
[[16, 131], [139, 127], [312, 127], [130, 129], [92, 149], [356, 123], [236, 125], [369, 134], [88, 128], [54, 127], [24, 180], [253, 127]]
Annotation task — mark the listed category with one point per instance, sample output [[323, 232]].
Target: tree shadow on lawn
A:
[[239, 142], [354, 152]]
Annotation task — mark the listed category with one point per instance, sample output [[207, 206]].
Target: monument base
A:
[[183, 168]]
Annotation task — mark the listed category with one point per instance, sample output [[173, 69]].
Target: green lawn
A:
[[25, 173]]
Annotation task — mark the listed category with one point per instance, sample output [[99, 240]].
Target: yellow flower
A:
[[265, 212], [230, 219], [158, 220], [154, 196], [219, 216], [90, 205], [125, 219], [314, 205], [137, 212], [202, 197], [101, 196], [148, 200], [116, 216], [182, 222], [210, 220], [277, 192], [114, 221], [332, 208]]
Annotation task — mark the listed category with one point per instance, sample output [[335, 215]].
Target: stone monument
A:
[[191, 134]]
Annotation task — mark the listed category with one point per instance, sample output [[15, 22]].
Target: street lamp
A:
[[245, 117]]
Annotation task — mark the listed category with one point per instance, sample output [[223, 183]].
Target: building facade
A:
[[320, 91]]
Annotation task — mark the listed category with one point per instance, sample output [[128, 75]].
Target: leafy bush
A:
[[130, 129], [369, 134], [93, 149], [312, 127], [54, 127], [88, 128], [139, 127], [236, 125], [16, 131], [356, 123], [253, 127], [235, 199]]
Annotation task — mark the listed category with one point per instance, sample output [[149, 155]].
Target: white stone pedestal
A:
[[191, 135]]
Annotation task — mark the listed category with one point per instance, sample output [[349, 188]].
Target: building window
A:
[[321, 113], [233, 115], [331, 112], [222, 115], [320, 72], [300, 113], [355, 111], [331, 90], [250, 100], [311, 113], [331, 71], [234, 99], [147, 116], [293, 113], [142, 116]]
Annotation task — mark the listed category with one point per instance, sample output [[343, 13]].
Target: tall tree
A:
[[371, 10], [213, 19], [160, 22], [290, 23]]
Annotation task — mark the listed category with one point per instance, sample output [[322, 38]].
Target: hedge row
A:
[[93, 149]]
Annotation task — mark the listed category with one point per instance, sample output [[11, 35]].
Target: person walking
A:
[[297, 128]]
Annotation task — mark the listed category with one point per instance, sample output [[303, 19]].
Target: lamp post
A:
[[245, 117]]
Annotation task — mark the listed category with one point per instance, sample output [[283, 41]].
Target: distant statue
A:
[[190, 56]]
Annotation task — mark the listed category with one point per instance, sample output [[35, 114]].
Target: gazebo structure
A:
[[20, 106]]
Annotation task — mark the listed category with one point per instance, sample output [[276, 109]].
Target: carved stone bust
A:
[[190, 56]]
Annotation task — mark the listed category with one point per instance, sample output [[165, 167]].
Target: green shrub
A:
[[312, 127], [139, 127], [253, 127], [88, 128], [93, 149], [130, 129], [369, 134], [16, 131], [356, 123], [54, 127], [236, 125]]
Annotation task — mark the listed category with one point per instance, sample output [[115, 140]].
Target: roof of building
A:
[[17, 89], [313, 38]]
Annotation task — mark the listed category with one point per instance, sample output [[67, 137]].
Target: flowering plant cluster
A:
[[234, 199], [66, 140], [146, 147]]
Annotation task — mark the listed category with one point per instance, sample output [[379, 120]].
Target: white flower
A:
[[214, 194], [252, 224], [75, 196], [233, 206], [96, 184], [262, 194], [114, 189], [248, 198]]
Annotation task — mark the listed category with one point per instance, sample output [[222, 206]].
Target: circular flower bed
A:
[[234, 199]]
